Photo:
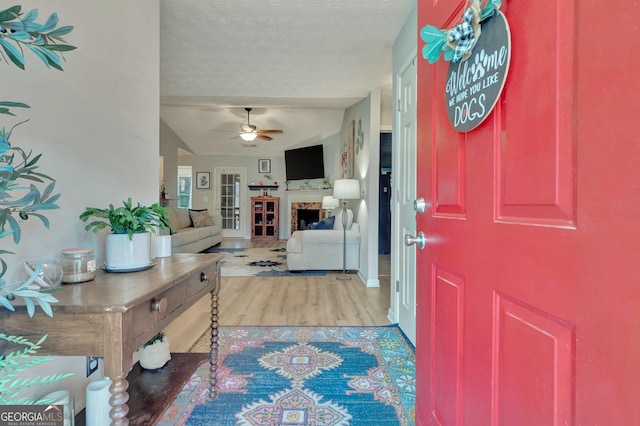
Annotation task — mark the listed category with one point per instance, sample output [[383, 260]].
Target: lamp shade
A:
[[346, 189], [248, 136], [328, 202]]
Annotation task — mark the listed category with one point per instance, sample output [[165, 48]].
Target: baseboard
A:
[[392, 316], [369, 282]]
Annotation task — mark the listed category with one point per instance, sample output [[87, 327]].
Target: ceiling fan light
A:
[[248, 136]]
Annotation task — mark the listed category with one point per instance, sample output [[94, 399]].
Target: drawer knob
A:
[[159, 305], [205, 276]]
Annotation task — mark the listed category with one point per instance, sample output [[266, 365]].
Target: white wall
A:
[[367, 163], [169, 144], [96, 124]]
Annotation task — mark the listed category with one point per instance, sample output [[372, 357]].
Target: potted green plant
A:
[[155, 353], [128, 247]]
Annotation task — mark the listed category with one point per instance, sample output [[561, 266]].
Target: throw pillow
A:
[[326, 223], [173, 220], [200, 218]]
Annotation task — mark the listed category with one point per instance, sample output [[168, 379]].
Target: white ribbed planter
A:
[[155, 355], [123, 253]]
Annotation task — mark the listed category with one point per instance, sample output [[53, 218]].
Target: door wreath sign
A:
[[479, 51]]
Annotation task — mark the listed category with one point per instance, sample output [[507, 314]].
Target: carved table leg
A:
[[118, 401], [213, 350]]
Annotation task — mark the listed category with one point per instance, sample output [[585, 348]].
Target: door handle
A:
[[419, 205], [420, 241]]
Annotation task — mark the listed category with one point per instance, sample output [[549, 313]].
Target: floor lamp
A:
[[329, 203], [345, 189]]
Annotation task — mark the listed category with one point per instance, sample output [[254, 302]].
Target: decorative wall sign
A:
[[479, 48], [474, 85], [359, 137], [348, 152]]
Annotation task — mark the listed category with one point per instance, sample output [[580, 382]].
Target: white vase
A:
[[123, 253], [163, 246], [155, 355], [98, 407]]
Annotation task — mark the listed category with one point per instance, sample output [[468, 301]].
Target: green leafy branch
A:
[[19, 31], [20, 197], [14, 363], [17, 165], [9, 292], [436, 39]]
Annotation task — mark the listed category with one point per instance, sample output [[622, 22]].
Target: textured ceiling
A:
[[299, 63]]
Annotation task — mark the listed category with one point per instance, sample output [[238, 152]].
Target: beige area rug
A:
[[203, 344], [251, 261]]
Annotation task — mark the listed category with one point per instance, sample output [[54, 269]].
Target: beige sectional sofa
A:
[[189, 238]]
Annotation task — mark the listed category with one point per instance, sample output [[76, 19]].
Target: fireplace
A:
[[305, 213], [306, 217]]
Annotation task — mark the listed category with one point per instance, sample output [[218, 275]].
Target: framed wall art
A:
[[203, 180], [264, 166]]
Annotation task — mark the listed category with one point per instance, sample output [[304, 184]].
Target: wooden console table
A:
[[116, 313]]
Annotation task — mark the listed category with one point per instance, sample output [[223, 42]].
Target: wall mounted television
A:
[[304, 163]]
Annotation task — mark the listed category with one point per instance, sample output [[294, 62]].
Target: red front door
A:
[[529, 287]]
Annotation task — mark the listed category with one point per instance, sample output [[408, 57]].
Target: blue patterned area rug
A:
[[334, 376], [263, 262]]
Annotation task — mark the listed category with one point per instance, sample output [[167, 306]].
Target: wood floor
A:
[[303, 301]]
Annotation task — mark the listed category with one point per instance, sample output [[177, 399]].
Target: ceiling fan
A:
[[249, 132]]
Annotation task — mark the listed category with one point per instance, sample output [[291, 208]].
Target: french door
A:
[[230, 200]]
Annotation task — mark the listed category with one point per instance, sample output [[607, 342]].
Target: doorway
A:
[[384, 194]]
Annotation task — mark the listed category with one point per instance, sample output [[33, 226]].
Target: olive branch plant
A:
[[21, 196]]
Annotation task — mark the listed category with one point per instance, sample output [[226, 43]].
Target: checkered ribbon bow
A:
[[464, 35]]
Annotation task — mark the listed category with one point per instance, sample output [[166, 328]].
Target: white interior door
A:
[[230, 184], [404, 172]]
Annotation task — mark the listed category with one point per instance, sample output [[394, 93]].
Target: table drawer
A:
[[207, 278], [147, 314]]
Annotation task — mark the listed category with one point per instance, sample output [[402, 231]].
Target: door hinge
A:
[[397, 286]]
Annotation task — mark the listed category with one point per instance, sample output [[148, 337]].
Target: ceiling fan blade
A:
[[264, 137], [269, 131]]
